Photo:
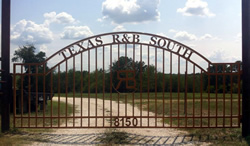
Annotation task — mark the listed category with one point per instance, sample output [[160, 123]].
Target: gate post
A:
[[5, 60], [246, 68]]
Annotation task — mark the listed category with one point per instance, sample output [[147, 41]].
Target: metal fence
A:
[[127, 80]]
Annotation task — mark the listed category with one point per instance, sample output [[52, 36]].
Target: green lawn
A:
[[152, 95], [160, 105], [5, 140], [213, 132], [47, 122], [135, 99]]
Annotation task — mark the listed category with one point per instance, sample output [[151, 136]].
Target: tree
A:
[[223, 79], [26, 54], [27, 82]]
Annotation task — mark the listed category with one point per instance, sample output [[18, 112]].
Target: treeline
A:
[[94, 82], [146, 78]]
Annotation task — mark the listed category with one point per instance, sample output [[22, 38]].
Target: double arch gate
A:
[[127, 80]]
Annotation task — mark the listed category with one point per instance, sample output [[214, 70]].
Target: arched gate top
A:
[[139, 38]]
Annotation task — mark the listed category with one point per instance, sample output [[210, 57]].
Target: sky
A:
[[211, 27]]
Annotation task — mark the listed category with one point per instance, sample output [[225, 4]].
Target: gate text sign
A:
[[126, 79], [128, 122], [129, 38]]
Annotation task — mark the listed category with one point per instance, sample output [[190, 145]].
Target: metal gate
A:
[[127, 80]]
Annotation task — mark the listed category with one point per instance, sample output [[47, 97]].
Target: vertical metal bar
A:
[[81, 87], [59, 94], [193, 95], [22, 95], [133, 56], [208, 95], [201, 90], [111, 86], [36, 93], [216, 95], [103, 84], [126, 63], [66, 90], [163, 87], [51, 101], [178, 91], [231, 92], [5, 65], [119, 68], [29, 90], [14, 96], [96, 86], [44, 70], [156, 87], [126, 54], [133, 94], [246, 70], [171, 107], [186, 78], [118, 55], [74, 70], [141, 85], [148, 82], [126, 108], [224, 97], [239, 102], [88, 88]]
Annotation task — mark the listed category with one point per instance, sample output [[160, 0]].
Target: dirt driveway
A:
[[144, 131], [89, 135]]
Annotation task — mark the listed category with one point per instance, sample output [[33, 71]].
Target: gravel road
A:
[[107, 104]]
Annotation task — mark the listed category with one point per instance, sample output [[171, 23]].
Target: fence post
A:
[[246, 68], [5, 60]]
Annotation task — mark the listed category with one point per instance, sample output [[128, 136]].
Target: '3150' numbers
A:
[[126, 122]]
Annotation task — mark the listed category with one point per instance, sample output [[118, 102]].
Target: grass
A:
[[9, 141], [248, 140], [112, 136], [5, 138], [214, 133], [45, 122], [156, 106], [152, 94], [232, 135]]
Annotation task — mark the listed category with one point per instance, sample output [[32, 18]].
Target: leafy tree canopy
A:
[[26, 54]]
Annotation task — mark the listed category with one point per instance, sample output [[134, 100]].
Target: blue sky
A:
[[211, 27]]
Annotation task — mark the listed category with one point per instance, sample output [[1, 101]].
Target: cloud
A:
[[196, 8], [131, 11], [222, 56], [119, 28], [76, 32], [43, 48], [185, 36], [208, 37], [29, 32], [60, 18]]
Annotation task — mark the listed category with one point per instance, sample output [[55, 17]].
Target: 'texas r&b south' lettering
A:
[[128, 38]]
